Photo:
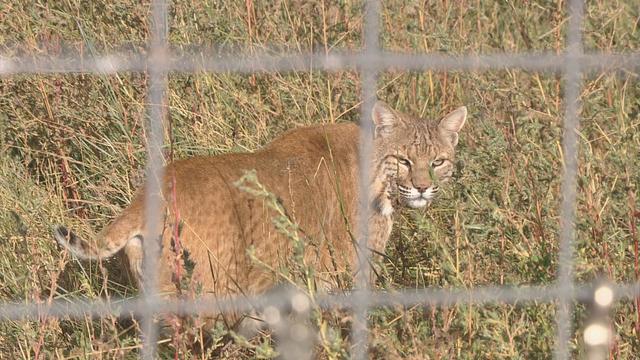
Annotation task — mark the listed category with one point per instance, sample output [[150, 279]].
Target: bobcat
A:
[[313, 171]]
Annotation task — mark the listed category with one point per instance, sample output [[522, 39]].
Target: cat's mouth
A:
[[415, 198]]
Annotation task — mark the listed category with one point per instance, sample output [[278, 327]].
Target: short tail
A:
[[82, 248]]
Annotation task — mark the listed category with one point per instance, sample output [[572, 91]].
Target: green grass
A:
[[72, 151]]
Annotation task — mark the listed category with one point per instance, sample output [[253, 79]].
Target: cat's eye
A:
[[404, 162], [437, 162]]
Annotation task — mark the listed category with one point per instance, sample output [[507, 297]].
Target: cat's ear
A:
[[451, 124], [384, 118]]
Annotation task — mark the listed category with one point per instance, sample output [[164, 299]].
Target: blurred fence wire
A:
[[160, 59]]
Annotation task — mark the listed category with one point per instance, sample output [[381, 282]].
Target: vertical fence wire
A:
[[157, 86], [572, 85], [369, 76]]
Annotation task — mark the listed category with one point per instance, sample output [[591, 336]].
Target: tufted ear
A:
[[451, 124], [384, 118]]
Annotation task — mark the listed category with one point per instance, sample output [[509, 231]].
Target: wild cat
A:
[[313, 171]]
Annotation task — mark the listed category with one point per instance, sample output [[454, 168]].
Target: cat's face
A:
[[415, 155]]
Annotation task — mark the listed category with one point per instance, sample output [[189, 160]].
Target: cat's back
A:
[[315, 138], [292, 151], [293, 165]]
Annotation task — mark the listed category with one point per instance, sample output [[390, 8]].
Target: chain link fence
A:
[[572, 64]]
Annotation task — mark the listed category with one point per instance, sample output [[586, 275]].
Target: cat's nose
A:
[[422, 189]]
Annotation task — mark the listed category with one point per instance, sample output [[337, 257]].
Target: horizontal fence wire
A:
[[212, 61], [433, 297], [160, 60]]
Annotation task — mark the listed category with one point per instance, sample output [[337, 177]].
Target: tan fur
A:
[[314, 172]]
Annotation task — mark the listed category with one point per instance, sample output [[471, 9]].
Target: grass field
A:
[[72, 151]]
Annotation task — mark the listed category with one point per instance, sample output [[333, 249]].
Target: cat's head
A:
[[414, 156]]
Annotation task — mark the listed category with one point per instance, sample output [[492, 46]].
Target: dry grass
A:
[[72, 148]]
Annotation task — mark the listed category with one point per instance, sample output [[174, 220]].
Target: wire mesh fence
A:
[[160, 60]]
